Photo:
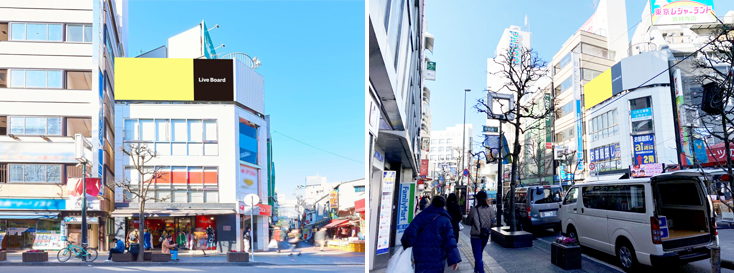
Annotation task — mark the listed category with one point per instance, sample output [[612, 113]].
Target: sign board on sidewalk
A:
[[385, 214], [406, 208]]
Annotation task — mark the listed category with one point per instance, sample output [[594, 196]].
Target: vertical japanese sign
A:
[[430, 71], [644, 147], [406, 208], [548, 122], [424, 167], [385, 214], [334, 199], [577, 96]]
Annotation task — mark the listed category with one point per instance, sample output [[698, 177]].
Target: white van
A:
[[663, 220]]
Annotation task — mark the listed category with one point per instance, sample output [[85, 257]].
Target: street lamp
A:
[[463, 140]]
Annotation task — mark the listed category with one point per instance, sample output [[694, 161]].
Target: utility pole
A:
[[500, 183], [463, 140]]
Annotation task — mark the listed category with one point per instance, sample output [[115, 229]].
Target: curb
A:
[[727, 264]]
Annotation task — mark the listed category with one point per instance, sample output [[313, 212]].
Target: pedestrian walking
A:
[[452, 206], [119, 248], [247, 238], [320, 237], [147, 240], [432, 238], [293, 241], [482, 218], [424, 202]]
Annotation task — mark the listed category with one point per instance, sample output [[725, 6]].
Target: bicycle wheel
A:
[[64, 255], [91, 254]]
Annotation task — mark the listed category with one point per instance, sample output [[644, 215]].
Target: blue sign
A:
[[663, 221], [644, 147], [579, 134], [641, 114], [466, 172], [378, 156], [700, 150], [33, 204]]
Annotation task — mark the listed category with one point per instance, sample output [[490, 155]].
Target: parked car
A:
[[663, 220], [536, 207]]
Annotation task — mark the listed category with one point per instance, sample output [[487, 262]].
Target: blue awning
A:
[[29, 215]]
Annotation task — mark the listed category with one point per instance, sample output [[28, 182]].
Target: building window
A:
[[178, 184], [359, 188], [79, 80], [448, 141], [248, 141], [565, 60], [589, 74], [36, 32], [565, 109], [177, 137], [567, 84], [50, 126], [597, 51], [3, 31], [3, 78], [79, 33], [641, 126], [604, 125], [79, 126], [35, 78], [34, 173]]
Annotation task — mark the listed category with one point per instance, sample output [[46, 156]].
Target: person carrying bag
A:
[[482, 218]]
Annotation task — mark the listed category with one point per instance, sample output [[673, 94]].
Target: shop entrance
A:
[[188, 232], [244, 224]]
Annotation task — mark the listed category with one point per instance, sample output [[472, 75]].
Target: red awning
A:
[[359, 205], [336, 222]]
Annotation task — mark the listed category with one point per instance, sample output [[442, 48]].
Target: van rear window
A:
[[546, 195], [684, 194]]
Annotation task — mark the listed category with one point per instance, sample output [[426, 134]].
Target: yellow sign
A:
[[334, 199], [598, 90]]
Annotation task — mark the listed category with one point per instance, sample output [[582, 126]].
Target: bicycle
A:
[[79, 252]]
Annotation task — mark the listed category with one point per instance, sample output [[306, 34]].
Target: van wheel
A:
[[571, 232], [626, 256]]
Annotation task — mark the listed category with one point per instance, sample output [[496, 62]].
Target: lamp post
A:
[[463, 139]]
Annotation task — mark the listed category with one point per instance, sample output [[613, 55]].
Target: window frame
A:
[[46, 173], [25, 78], [84, 27], [169, 134], [61, 125], [25, 32]]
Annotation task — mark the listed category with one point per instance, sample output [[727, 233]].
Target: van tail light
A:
[[528, 212], [716, 228], [655, 230]]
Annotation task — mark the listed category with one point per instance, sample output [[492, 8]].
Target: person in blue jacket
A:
[[432, 237], [119, 248]]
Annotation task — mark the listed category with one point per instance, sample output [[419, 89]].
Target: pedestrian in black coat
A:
[[454, 210]]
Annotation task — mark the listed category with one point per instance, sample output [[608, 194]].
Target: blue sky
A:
[[467, 33], [312, 55]]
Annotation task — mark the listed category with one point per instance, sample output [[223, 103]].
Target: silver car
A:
[[536, 207]]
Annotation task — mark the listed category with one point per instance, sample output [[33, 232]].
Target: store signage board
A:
[[646, 170], [334, 199], [424, 167], [641, 114], [682, 12], [75, 220], [385, 214], [430, 71], [644, 149], [33, 204], [406, 208]]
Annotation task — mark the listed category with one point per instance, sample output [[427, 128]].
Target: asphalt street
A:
[[179, 269], [543, 239]]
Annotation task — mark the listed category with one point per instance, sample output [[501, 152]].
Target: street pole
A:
[[252, 220], [84, 207], [500, 183], [463, 141]]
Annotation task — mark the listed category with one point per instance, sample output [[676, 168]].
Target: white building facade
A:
[[56, 78], [211, 147]]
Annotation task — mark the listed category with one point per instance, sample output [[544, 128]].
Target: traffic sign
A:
[[591, 166], [466, 172]]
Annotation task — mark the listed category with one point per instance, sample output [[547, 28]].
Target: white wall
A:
[[249, 87], [187, 44]]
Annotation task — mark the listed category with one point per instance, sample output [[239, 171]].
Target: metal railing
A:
[[252, 62], [3, 173], [640, 48]]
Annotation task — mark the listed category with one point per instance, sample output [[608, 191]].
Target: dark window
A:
[[79, 80], [248, 142], [571, 196], [547, 195], [3, 78], [3, 31], [630, 198], [684, 194]]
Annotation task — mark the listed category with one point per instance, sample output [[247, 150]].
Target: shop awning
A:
[[29, 215], [359, 205], [165, 213], [336, 223]]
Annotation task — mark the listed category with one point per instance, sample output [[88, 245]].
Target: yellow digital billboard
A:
[[164, 79], [598, 89]]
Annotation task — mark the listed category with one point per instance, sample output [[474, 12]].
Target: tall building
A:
[[56, 77], [393, 100], [202, 114], [446, 150]]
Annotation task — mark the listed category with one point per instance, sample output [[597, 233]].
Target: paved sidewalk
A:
[[309, 256], [464, 267]]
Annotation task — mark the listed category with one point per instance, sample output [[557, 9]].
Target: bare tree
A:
[[520, 71], [536, 161], [140, 155], [714, 67]]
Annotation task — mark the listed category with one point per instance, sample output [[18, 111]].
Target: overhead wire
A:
[[317, 148]]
